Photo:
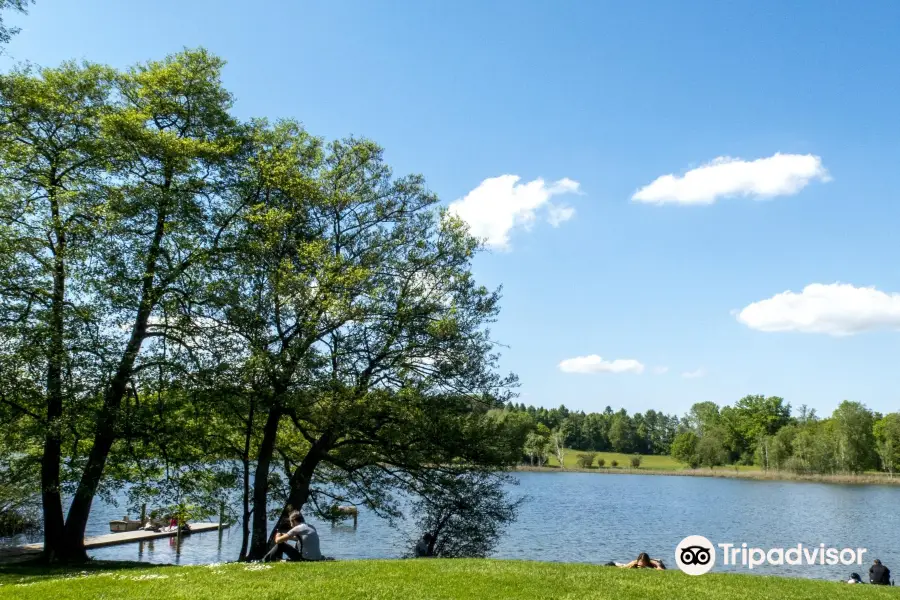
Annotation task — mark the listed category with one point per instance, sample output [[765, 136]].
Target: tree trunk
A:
[[104, 437], [301, 479], [105, 433], [51, 500], [245, 496], [259, 536]]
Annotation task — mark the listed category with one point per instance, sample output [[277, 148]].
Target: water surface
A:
[[594, 518]]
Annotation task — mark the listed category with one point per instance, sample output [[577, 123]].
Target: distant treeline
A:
[[756, 430], [651, 432]]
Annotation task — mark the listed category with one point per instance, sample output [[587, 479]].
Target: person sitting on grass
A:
[[879, 574], [644, 561], [423, 546], [301, 531]]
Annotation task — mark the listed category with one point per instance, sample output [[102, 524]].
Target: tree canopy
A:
[[193, 303]]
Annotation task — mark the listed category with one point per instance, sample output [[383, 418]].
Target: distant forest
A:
[[756, 430]]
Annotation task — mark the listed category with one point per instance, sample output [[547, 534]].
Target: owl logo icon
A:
[[695, 555]]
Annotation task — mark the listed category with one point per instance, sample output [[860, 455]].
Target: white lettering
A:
[[796, 555], [757, 557], [725, 548], [796, 552]]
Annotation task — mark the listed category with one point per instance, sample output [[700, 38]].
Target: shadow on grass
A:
[[34, 570]]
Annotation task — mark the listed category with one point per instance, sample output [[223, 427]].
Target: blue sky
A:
[[610, 96]]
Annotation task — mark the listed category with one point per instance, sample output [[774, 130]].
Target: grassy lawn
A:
[[648, 461], [419, 579], [667, 464], [660, 463]]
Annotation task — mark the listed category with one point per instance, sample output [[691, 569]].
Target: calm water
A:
[[583, 517]]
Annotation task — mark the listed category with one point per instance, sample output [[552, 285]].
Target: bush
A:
[[14, 522], [585, 460], [636, 462], [601, 463], [467, 513], [614, 463]]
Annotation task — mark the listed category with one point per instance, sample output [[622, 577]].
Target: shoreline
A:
[[724, 473]]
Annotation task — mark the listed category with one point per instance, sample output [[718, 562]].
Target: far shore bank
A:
[[726, 473]]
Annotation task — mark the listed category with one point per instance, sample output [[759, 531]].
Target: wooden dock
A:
[[17, 553]]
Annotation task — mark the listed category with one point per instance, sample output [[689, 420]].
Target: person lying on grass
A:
[[644, 561], [303, 532]]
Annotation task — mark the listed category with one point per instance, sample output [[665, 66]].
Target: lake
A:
[[593, 518]]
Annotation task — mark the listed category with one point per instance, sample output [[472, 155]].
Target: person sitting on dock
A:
[[644, 561], [879, 574], [301, 531]]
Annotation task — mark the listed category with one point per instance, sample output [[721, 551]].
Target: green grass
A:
[[418, 579], [666, 465], [651, 462]]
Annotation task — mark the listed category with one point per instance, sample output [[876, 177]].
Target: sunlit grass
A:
[[661, 463], [419, 579]]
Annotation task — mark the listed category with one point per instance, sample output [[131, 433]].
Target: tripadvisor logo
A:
[[696, 555]]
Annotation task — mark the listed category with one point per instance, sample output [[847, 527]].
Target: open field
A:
[[420, 579], [648, 461], [666, 465]]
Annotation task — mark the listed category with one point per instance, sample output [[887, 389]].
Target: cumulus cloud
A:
[[694, 374], [595, 364], [500, 204], [777, 175], [838, 309]]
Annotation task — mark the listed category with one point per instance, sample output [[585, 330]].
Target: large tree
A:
[[405, 385], [52, 159], [887, 441], [173, 145], [854, 436], [354, 304], [117, 193]]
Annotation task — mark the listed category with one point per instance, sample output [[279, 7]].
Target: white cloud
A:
[[777, 175], [837, 309], [500, 204], [660, 370], [595, 364], [694, 374], [557, 215]]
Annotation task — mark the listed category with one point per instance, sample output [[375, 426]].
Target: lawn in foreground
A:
[[420, 579]]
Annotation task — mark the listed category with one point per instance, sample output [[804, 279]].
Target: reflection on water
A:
[[584, 517]]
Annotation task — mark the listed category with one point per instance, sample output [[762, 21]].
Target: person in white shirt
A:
[[302, 531]]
